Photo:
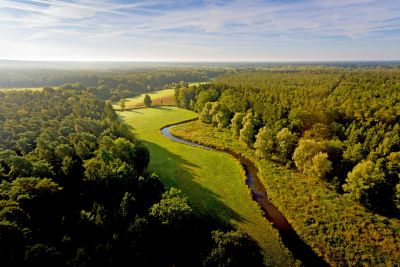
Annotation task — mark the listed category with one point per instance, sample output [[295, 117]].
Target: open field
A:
[[196, 83], [213, 181], [39, 89], [161, 97]]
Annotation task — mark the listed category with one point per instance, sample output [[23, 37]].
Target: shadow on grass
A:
[[174, 170], [167, 108], [133, 110]]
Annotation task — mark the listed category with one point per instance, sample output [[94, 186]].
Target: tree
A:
[[247, 133], [304, 153], [205, 115], [203, 97], [320, 165], [147, 101], [122, 104], [363, 182], [173, 209], [265, 143], [222, 119], [233, 248], [236, 124], [397, 196], [42, 255], [286, 143], [23, 145]]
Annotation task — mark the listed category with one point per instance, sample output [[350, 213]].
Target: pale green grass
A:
[[34, 89], [38, 89], [213, 181], [137, 101], [196, 83]]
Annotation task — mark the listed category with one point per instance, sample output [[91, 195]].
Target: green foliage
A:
[[320, 166], [147, 101], [122, 104], [212, 181], [247, 133], [205, 115], [222, 119], [265, 143], [286, 143], [236, 124], [233, 249], [305, 152], [203, 97], [42, 255], [354, 106], [363, 182], [335, 227], [397, 196], [173, 209]]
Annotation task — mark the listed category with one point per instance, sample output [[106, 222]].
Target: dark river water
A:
[[291, 240]]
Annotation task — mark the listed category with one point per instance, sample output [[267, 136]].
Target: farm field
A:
[[213, 181]]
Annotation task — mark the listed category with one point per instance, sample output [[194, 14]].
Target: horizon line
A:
[[203, 61]]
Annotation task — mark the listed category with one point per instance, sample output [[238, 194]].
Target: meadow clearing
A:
[[213, 181], [161, 97]]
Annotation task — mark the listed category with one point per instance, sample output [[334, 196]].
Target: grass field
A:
[[162, 97], [196, 83], [39, 89], [213, 181]]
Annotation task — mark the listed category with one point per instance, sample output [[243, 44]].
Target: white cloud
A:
[[100, 26]]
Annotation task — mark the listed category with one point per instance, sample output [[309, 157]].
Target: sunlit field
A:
[[213, 181]]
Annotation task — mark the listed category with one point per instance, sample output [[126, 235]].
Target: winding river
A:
[[291, 240]]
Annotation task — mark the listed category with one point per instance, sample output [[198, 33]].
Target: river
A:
[[290, 239]]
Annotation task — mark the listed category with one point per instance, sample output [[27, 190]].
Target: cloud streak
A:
[[241, 28]]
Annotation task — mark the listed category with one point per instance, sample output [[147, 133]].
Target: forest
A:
[[112, 84], [338, 127], [75, 191], [85, 181]]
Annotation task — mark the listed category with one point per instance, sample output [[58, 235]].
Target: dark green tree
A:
[[147, 101]]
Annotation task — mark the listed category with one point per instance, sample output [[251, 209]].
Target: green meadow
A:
[[162, 97], [213, 181]]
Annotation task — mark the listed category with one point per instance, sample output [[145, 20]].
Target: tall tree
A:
[[236, 124], [247, 133], [122, 104], [147, 101]]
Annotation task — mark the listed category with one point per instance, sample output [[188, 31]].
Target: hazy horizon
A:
[[200, 31]]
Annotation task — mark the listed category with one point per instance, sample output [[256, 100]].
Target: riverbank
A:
[[291, 240]]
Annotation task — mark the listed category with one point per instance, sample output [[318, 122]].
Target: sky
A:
[[194, 30]]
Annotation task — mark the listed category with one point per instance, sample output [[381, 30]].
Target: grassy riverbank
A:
[[338, 229], [213, 181]]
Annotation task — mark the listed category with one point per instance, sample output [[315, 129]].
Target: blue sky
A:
[[194, 30]]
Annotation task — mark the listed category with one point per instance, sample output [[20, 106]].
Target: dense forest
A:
[[106, 84], [75, 191], [336, 125], [341, 126]]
